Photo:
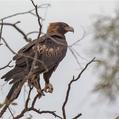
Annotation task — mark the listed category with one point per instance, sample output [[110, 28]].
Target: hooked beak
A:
[[69, 28]]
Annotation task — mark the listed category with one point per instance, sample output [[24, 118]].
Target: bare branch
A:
[[38, 111], [6, 44], [69, 88], [11, 112], [48, 112], [1, 31], [8, 65], [27, 12], [83, 36], [77, 116], [77, 53], [26, 108], [33, 32], [38, 17], [71, 50], [28, 98], [34, 101], [18, 29]]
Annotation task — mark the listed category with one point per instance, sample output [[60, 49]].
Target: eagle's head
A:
[[59, 27]]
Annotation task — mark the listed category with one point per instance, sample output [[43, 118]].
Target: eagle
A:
[[40, 56]]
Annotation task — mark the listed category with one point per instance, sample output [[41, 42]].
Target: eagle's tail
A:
[[14, 75], [8, 75], [11, 96], [17, 77]]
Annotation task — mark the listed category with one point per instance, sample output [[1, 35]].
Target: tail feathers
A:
[[14, 74], [8, 75], [14, 92], [12, 95]]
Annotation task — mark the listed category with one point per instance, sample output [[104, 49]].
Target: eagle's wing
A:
[[27, 47], [50, 53]]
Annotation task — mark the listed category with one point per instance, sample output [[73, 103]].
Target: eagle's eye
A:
[[65, 25]]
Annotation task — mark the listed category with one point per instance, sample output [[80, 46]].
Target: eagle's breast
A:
[[48, 51]]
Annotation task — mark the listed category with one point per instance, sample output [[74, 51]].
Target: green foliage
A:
[[106, 45]]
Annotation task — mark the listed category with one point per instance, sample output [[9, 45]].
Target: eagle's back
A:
[[50, 50]]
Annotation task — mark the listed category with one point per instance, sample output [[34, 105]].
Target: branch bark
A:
[[69, 89], [17, 28], [38, 17], [46, 5], [8, 65]]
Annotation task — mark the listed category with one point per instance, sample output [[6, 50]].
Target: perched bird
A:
[[42, 55]]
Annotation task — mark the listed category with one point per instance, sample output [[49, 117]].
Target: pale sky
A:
[[79, 14]]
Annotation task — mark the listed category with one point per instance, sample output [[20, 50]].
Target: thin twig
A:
[[1, 31], [69, 88], [8, 65], [37, 111], [38, 17], [18, 29], [77, 116], [34, 101], [47, 112], [75, 56], [28, 98], [27, 12], [6, 44], [32, 32], [83, 36], [78, 54], [11, 112]]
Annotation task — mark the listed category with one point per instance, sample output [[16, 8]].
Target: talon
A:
[[48, 88], [40, 92]]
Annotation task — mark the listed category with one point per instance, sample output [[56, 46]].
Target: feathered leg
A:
[[48, 86], [35, 81]]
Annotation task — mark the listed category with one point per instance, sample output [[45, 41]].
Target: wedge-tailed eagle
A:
[[42, 55]]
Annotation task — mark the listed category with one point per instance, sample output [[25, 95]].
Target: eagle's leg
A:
[[48, 86], [34, 80]]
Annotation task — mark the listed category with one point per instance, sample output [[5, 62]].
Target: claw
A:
[[40, 92], [48, 88]]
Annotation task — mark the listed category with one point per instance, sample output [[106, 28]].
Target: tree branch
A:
[[27, 12], [76, 42], [17, 28], [6, 44], [38, 17], [8, 65], [69, 88], [1, 29], [11, 112], [77, 116], [37, 111]]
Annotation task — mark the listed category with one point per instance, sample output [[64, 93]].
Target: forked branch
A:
[[69, 89]]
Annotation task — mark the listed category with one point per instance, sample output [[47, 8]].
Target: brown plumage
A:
[[46, 53]]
